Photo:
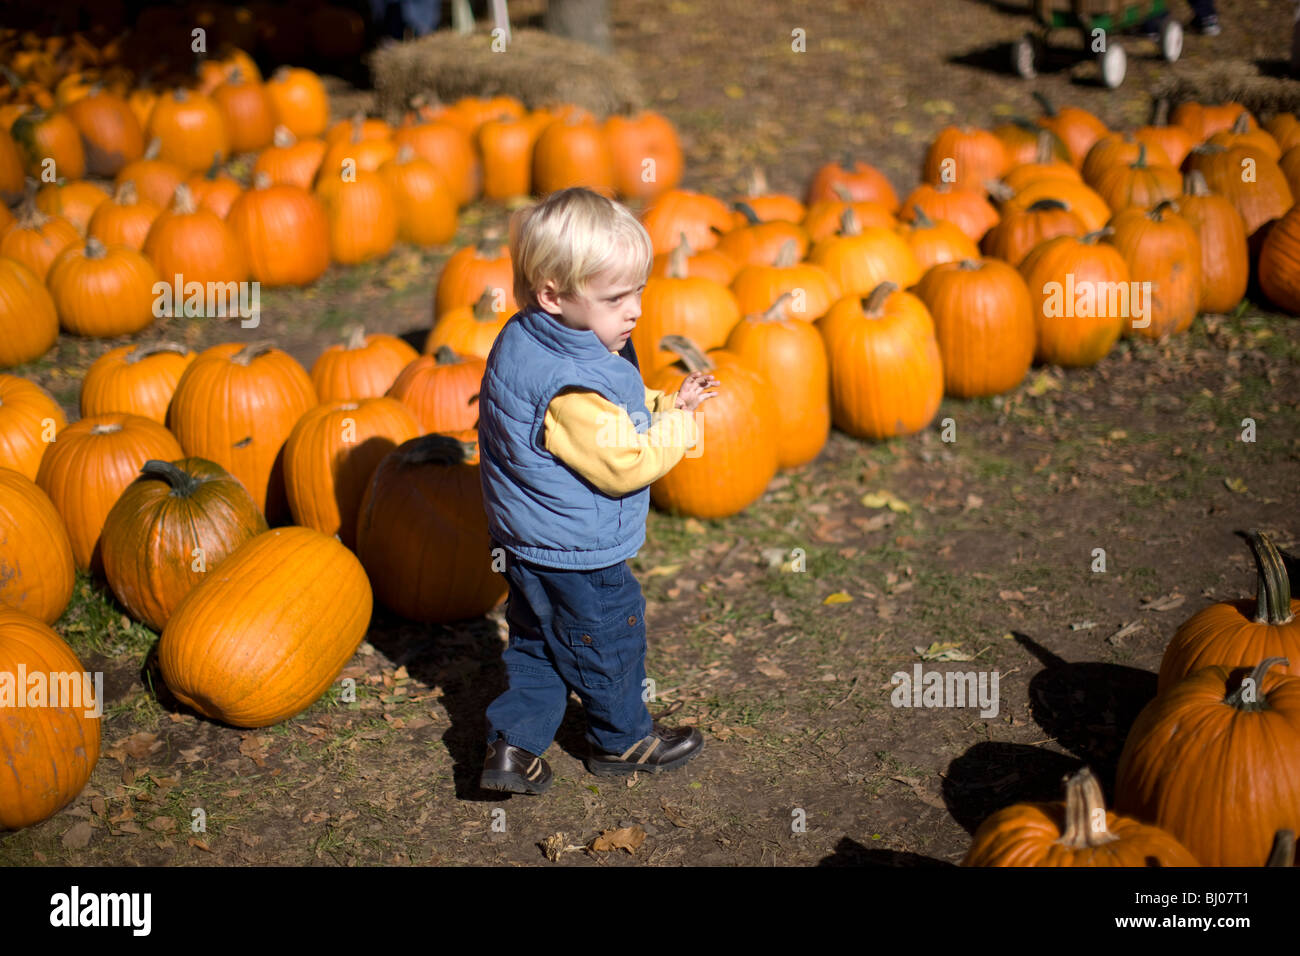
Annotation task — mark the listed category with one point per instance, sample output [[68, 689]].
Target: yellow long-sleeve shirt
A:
[[598, 440]]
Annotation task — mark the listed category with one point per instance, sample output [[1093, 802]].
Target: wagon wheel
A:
[[1023, 54], [1171, 40], [1113, 65]]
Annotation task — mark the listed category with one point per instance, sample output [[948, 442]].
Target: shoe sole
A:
[[510, 783], [601, 769]]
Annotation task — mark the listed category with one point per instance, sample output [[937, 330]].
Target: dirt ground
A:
[[985, 561]]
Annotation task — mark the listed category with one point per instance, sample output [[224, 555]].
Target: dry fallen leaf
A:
[[624, 838], [140, 745], [943, 651], [1166, 602], [839, 597], [885, 499], [77, 837], [772, 671]]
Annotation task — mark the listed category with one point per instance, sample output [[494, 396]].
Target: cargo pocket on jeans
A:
[[606, 653]]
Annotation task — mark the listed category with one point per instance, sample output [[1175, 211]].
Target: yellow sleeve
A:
[[598, 440], [659, 401]]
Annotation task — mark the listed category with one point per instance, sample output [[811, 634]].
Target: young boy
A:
[[568, 503]]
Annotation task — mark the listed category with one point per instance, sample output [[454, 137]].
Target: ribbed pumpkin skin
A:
[[965, 156], [967, 209], [91, 464], [152, 531], [1279, 263], [632, 140], [269, 630], [426, 209], [139, 379], [757, 287], [155, 179], [472, 269], [935, 242], [789, 352], [1082, 200], [1221, 780], [858, 263], [1225, 256], [110, 133], [1226, 634], [1161, 247], [331, 454], [191, 128], [1021, 230], [365, 367], [1073, 340], [124, 220], [29, 326], [984, 323], [36, 240], [467, 330], [1265, 198], [702, 218], [25, 411], [441, 391], [102, 292], [573, 152], [46, 753], [290, 161], [451, 150], [299, 100], [1027, 834], [422, 533], [74, 201], [284, 233], [736, 455], [860, 180], [886, 374], [362, 215], [195, 244], [36, 569], [700, 309], [237, 408]]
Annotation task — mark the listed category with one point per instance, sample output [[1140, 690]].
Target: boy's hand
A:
[[692, 393]]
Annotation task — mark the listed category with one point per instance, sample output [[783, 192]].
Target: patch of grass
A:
[[140, 709], [94, 623]]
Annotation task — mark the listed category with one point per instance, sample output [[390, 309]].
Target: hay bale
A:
[[537, 68], [1236, 80]]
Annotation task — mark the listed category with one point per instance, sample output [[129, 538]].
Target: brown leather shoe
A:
[[514, 770], [664, 749]]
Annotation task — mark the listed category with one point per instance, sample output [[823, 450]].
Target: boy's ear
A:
[[548, 296]]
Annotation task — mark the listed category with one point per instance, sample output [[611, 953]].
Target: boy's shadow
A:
[[463, 659]]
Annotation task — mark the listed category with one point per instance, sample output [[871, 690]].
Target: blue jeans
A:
[[572, 630]]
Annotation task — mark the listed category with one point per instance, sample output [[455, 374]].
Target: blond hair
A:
[[571, 237]]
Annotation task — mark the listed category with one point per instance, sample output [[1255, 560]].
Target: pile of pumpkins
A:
[[127, 189], [1208, 774]]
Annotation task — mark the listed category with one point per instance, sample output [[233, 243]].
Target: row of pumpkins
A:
[[1208, 774], [320, 193]]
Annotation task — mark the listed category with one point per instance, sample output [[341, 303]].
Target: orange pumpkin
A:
[[30, 420], [29, 324], [101, 291], [36, 568], [283, 231], [365, 367], [138, 379]]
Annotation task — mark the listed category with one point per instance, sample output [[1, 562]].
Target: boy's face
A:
[[609, 307]]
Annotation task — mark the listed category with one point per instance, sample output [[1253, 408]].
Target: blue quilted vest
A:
[[538, 508]]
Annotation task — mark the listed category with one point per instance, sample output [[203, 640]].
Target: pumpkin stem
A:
[[1158, 211], [405, 153], [125, 195], [1160, 111], [688, 353], [183, 484], [1273, 587], [1141, 161], [1255, 681], [842, 192], [182, 201], [261, 179], [1045, 103], [788, 254], [971, 265], [251, 351], [757, 182], [283, 137], [1085, 813], [677, 267], [139, 352], [356, 338], [849, 225], [920, 220], [95, 249], [1283, 852], [846, 161], [109, 429], [776, 311], [874, 304], [998, 190], [747, 211], [436, 449], [30, 215], [1045, 152], [446, 355], [489, 245], [1097, 235], [1194, 184], [1241, 125], [214, 167], [483, 311]]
